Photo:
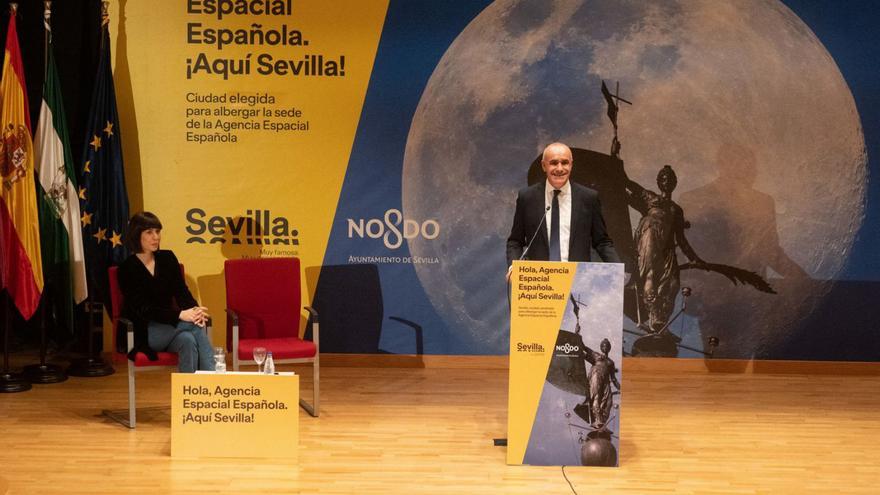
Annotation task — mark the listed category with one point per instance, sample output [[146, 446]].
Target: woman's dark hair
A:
[[136, 226]]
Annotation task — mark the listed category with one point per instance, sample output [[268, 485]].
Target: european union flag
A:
[[102, 193]]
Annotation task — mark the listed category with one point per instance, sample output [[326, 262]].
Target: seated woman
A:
[[155, 292]]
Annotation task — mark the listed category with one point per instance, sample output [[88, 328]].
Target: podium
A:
[[234, 414], [566, 348]]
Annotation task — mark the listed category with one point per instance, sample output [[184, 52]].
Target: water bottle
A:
[[269, 367]]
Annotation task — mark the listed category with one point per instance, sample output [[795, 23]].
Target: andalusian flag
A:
[[21, 270], [60, 232], [102, 193]]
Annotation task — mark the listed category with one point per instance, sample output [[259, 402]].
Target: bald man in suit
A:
[[571, 227]]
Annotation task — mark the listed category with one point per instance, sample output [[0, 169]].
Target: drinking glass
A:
[[219, 359], [259, 357]]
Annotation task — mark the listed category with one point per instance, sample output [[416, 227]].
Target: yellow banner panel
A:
[[539, 293], [238, 120]]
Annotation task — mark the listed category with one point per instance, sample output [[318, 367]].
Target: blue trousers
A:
[[189, 341]]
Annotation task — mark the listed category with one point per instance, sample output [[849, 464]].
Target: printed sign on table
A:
[[234, 415]]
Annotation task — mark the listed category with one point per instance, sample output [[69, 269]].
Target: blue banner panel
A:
[[731, 149]]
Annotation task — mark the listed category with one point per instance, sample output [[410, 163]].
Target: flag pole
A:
[[9, 381], [45, 373], [94, 365], [47, 35]]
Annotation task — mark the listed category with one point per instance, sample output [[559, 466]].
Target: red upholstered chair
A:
[[263, 302], [141, 362]]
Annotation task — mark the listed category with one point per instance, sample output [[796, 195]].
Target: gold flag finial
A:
[[105, 13], [47, 14]]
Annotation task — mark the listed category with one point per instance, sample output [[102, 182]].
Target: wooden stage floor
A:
[[430, 430]]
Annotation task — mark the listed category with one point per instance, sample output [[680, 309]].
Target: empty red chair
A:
[[263, 304]]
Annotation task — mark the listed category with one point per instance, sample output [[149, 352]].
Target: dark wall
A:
[[76, 29]]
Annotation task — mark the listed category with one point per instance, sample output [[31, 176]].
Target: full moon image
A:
[[740, 98]]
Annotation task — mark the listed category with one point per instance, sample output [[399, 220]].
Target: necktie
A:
[[554, 228]]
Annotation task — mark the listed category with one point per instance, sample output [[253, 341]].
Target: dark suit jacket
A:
[[587, 226]]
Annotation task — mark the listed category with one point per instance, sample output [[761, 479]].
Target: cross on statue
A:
[[613, 101]]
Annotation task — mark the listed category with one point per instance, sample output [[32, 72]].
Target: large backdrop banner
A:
[[383, 143]]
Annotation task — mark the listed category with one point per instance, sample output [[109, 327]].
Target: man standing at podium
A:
[[557, 220]]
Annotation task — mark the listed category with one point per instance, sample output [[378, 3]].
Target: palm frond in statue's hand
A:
[[736, 275]]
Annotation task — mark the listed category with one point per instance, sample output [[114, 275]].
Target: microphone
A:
[[543, 219]]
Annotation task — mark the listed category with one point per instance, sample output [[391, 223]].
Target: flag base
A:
[[89, 367], [13, 382], [44, 373]]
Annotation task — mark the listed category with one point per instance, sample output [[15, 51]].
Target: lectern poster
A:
[[566, 326]]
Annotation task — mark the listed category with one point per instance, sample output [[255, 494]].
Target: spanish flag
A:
[[21, 270]]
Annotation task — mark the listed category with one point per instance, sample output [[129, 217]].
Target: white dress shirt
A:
[[564, 216]]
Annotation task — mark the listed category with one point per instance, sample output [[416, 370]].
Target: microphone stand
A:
[[526, 250], [543, 221]]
